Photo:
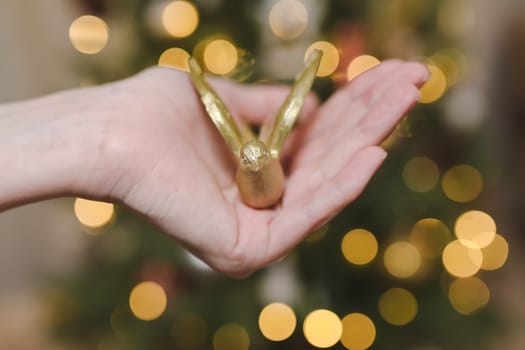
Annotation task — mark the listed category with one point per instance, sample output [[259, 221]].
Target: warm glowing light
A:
[[402, 259], [397, 306], [148, 301], [277, 321], [288, 19], [93, 214], [430, 236], [231, 336], [462, 183], [180, 18], [468, 295], [330, 59], [359, 332], [220, 56], [475, 228], [451, 62], [176, 58], [89, 34], [322, 328], [189, 331], [421, 174], [461, 260], [495, 254], [435, 87], [359, 65], [359, 246]]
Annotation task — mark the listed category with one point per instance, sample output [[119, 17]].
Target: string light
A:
[[430, 236], [88, 34], [93, 214], [398, 306], [460, 260], [231, 336], [359, 65], [330, 59], [468, 295], [175, 57], [288, 19], [322, 328], [435, 86], [189, 331], [180, 18], [475, 228], [495, 254], [359, 332], [402, 259], [421, 174], [220, 56], [277, 321], [462, 183], [359, 246], [148, 301]]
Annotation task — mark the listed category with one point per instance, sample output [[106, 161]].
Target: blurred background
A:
[[429, 257]]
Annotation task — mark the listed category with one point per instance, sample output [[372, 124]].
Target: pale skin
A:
[[146, 143]]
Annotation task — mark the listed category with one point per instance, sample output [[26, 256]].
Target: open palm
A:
[[177, 171]]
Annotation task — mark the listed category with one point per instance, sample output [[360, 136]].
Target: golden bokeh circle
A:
[[330, 59], [288, 19], [495, 254], [359, 246], [148, 301], [359, 332], [421, 174], [180, 18], [430, 236], [93, 214], [277, 321], [231, 336], [89, 34], [360, 64], [475, 228], [402, 259], [461, 260], [462, 183], [175, 57], [435, 86], [398, 306], [468, 295], [220, 56], [322, 328]]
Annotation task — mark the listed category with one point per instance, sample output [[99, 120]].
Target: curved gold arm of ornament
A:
[[216, 109], [289, 111]]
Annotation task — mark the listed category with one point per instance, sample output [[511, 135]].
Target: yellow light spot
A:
[[435, 87], [475, 228], [93, 214], [451, 62], [220, 56], [359, 246], [318, 234], [189, 331], [88, 34], [322, 328], [430, 236], [176, 58], [421, 174], [288, 19], [461, 260], [359, 65], [277, 321], [330, 59], [231, 336], [148, 301], [180, 18], [462, 183], [359, 332], [398, 306], [495, 254], [468, 295], [402, 259]]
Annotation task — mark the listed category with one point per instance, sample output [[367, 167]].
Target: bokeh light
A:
[[288, 19], [322, 328], [220, 56], [330, 59], [148, 301], [175, 57], [359, 246], [359, 332], [495, 254], [359, 65], [397, 306], [462, 183], [277, 321], [180, 18], [468, 295], [475, 228], [430, 236], [435, 87], [402, 259], [231, 336], [421, 174], [189, 331], [451, 62], [461, 260], [89, 34], [93, 214]]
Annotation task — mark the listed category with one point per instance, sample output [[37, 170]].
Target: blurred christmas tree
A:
[[398, 269]]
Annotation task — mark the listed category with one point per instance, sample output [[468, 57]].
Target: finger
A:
[[298, 219]]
